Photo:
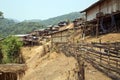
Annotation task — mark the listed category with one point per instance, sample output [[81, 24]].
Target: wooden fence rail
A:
[[103, 56]]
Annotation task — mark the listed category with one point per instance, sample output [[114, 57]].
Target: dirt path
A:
[[93, 74], [52, 66], [55, 66]]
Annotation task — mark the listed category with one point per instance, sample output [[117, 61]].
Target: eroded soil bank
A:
[[51, 66]]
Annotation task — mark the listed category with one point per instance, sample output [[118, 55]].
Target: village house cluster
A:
[[100, 18], [58, 33]]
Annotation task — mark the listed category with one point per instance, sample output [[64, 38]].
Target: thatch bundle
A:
[[12, 71], [12, 67]]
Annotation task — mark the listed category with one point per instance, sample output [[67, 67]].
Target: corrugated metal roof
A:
[[21, 35], [93, 5]]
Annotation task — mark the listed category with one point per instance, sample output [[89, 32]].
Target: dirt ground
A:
[[93, 74], [112, 37], [52, 66], [56, 66]]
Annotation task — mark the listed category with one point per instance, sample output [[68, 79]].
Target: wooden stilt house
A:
[[103, 17], [61, 36]]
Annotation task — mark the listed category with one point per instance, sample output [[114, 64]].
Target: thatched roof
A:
[[12, 67]]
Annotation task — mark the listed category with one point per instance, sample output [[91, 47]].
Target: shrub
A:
[[10, 49]]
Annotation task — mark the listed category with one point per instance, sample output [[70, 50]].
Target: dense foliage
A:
[[6, 27], [10, 49], [10, 27], [1, 15], [26, 27], [0, 53]]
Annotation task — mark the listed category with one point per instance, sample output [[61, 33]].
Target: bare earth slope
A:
[[56, 66], [111, 37], [52, 66]]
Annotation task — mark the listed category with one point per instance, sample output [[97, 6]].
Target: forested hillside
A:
[[11, 27], [55, 20], [26, 27], [6, 26]]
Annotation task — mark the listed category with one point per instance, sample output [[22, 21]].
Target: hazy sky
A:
[[41, 9]]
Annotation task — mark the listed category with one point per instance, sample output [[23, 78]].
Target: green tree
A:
[[1, 14], [0, 52], [11, 49]]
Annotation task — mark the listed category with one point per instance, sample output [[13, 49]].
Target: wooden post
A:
[[108, 60], [117, 61], [18, 77], [5, 76], [81, 73], [97, 28], [100, 51], [61, 35], [83, 32], [51, 43]]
